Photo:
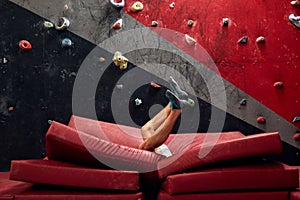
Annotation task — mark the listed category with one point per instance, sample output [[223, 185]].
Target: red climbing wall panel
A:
[[252, 67]]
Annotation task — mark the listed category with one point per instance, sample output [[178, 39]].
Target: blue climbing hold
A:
[[67, 42]]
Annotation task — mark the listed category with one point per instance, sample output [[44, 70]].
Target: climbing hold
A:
[[172, 5], [296, 119], [261, 120], [243, 102], [66, 7], [154, 23], [25, 45], [50, 121], [67, 42], [278, 84], [297, 136], [118, 4], [243, 40], [48, 25], [154, 85], [225, 21], [10, 109], [190, 23], [118, 24], [138, 102], [260, 39], [295, 3], [295, 20], [101, 59], [119, 86], [4, 60], [137, 6], [63, 24], [120, 61], [191, 41]]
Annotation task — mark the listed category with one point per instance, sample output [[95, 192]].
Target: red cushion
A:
[[66, 144], [254, 145], [179, 143], [254, 176], [59, 173], [119, 134], [295, 195], [9, 188], [56, 194], [261, 195]]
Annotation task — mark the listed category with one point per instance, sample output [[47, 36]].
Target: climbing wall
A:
[[260, 79]]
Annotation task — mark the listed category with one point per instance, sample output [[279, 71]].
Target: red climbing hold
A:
[[25, 45], [278, 84], [297, 136], [261, 120], [154, 85], [10, 109]]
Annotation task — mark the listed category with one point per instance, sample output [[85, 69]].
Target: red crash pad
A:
[[261, 195], [119, 134], [63, 194], [9, 188], [130, 136], [59, 173], [295, 195], [66, 144], [254, 176], [249, 146]]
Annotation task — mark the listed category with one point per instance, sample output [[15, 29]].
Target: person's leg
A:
[[149, 128], [161, 134]]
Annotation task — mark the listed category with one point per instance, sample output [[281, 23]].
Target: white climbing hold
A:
[[191, 41], [138, 101], [295, 3], [260, 39], [120, 60], [4, 60], [225, 21], [117, 4], [119, 86], [62, 24], [118, 24], [172, 5], [154, 23], [295, 20]]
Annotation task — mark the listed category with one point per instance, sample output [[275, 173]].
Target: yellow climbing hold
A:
[[101, 59], [137, 6], [120, 61]]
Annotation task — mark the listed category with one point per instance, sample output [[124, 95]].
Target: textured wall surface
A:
[[50, 82]]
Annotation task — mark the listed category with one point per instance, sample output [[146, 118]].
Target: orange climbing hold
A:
[[25, 45]]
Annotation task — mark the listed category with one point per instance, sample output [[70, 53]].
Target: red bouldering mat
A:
[[8, 188], [65, 174], [295, 195], [205, 153], [63, 194], [130, 136], [245, 177], [67, 144], [179, 143], [259, 195], [116, 133]]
